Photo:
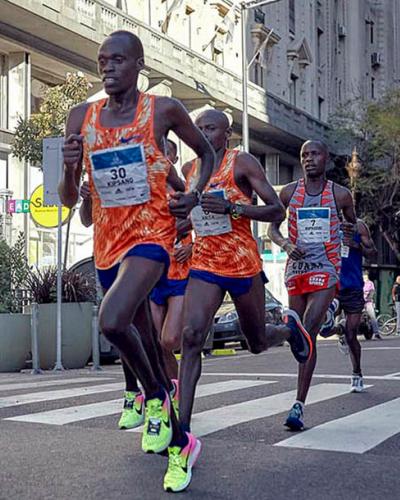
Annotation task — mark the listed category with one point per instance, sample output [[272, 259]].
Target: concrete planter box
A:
[[76, 334], [15, 341]]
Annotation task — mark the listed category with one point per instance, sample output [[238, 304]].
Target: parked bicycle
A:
[[387, 323]]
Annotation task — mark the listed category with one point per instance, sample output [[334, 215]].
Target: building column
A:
[[272, 168], [19, 106]]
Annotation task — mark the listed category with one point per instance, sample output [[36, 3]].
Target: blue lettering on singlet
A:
[[351, 272]]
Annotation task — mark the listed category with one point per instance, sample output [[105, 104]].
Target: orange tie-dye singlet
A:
[[234, 254], [119, 229], [177, 270]]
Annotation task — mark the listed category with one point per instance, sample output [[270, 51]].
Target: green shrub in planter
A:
[[14, 270]]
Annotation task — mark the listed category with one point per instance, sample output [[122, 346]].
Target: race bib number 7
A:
[[120, 176], [314, 225], [210, 224]]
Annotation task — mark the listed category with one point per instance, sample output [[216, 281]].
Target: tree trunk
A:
[[392, 244]]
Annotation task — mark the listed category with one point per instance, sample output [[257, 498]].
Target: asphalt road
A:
[[350, 450]]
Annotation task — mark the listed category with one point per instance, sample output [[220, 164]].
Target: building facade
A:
[[307, 57]]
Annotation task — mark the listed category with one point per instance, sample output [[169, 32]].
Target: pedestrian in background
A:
[[369, 297], [396, 300]]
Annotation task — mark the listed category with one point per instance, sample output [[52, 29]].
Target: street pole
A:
[[244, 6], [245, 77], [58, 366]]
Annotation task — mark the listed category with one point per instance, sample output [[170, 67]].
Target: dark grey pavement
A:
[[92, 459]]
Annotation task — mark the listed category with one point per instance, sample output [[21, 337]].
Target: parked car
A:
[[226, 327]]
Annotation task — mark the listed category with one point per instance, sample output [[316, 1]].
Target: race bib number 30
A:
[[120, 176], [209, 224], [313, 225]]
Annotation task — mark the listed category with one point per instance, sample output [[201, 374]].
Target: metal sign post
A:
[[34, 341], [52, 170], [58, 365]]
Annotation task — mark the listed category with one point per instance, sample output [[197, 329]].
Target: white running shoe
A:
[[357, 384], [343, 346], [325, 330]]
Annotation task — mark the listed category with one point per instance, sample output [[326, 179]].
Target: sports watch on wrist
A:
[[236, 210], [197, 193]]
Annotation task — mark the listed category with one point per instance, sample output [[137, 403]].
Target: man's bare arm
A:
[[68, 187], [367, 244], [345, 203], [85, 212], [273, 210], [274, 232], [250, 177], [175, 181]]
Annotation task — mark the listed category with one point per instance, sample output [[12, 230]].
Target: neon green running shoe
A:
[[133, 411], [174, 394], [157, 432], [180, 464]]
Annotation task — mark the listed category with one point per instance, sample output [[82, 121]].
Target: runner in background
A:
[[313, 247]]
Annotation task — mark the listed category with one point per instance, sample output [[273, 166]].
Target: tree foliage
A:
[[50, 121], [374, 129], [14, 270]]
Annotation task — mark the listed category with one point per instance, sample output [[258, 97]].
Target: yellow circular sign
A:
[[45, 216]]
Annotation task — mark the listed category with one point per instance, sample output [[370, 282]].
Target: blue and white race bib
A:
[[120, 176], [314, 224], [210, 224]]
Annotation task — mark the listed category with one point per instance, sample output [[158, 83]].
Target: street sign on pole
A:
[[52, 170]]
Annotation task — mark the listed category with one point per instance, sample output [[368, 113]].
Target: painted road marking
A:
[[356, 433], [53, 382], [71, 414], [39, 397], [218, 419], [294, 375]]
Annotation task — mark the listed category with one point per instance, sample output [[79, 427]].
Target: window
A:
[[371, 32], [339, 95], [3, 92], [3, 171], [293, 89], [319, 47], [258, 74], [292, 17], [40, 82], [321, 108], [372, 87], [259, 16], [217, 52]]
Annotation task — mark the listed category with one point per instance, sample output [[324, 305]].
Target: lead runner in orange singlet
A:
[[120, 142], [314, 252], [166, 303], [226, 259]]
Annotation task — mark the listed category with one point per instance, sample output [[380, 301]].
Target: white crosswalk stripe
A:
[[49, 383], [71, 414], [355, 433], [218, 419], [39, 397]]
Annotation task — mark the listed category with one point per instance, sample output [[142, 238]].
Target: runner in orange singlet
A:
[[166, 299], [226, 259], [166, 290], [120, 142]]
